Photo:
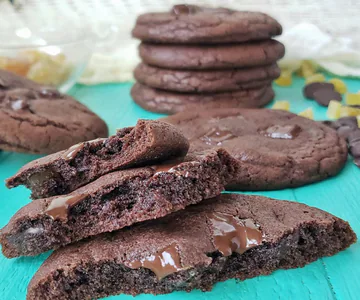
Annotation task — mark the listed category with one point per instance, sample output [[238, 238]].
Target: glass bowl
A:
[[50, 57]]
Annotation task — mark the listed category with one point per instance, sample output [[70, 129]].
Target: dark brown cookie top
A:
[[160, 101], [204, 57], [195, 24], [201, 81], [39, 119], [190, 242], [275, 149], [62, 172]]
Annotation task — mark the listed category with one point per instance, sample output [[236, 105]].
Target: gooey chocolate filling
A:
[[230, 235], [283, 131], [162, 263]]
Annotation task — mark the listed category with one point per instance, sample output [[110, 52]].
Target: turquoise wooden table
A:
[[336, 277]]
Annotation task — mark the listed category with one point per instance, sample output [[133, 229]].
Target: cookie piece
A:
[[63, 172], [116, 200], [192, 249], [205, 57], [194, 25], [38, 119], [206, 81], [274, 148], [161, 101]]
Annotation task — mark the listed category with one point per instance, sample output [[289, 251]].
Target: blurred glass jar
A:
[[52, 56]]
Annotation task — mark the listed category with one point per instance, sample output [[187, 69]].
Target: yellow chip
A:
[[307, 113], [347, 111], [307, 68], [318, 77], [358, 120], [285, 78], [352, 99], [282, 105], [339, 85], [333, 111]]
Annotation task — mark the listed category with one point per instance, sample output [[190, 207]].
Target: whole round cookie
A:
[[38, 119], [161, 101], [206, 81], [275, 149], [205, 57], [195, 24]]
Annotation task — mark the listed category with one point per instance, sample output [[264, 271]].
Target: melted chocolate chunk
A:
[[50, 93], [59, 206], [216, 136], [234, 235], [19, 105], [167, 166], [73, 151], [163, 263], [183, 9], [283, 132]]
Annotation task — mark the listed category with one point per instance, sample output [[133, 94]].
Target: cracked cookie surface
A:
[[275, 149], [41, 120], [206, 81], [198, 57], [196, 24], [161, 101]]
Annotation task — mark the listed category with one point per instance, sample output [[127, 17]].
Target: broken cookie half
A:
[[65, 171], [231, 236]]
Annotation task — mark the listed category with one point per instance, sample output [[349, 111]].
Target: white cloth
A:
[[334, 54]]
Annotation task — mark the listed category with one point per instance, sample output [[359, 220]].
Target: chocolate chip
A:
[[357, 162], [313, 87], [344, 131], [324, 96], [49, 93], [182, 9], [346, 121], [283, 131], [354, 136], [354, 149], [19, 105]]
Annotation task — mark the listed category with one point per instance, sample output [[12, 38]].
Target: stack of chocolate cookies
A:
[[205, 56]]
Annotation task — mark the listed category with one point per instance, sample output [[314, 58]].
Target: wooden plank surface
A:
[[336, 277]]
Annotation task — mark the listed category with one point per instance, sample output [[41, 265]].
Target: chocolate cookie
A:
[[190, 24], [38, 119], [116, 200], [205, 57], [161, 101], [274, 149], [206, 81], [63, 172], [231, 236]]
